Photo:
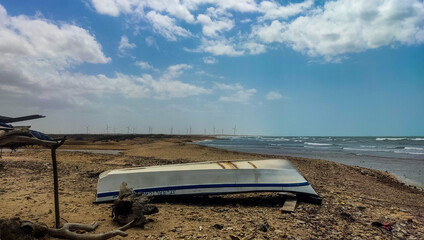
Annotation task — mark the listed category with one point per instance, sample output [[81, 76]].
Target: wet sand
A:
[[353, 197]]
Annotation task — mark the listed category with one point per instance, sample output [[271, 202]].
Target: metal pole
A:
[[56, 188]]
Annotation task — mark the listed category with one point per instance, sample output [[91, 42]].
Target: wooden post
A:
[[56, 188]]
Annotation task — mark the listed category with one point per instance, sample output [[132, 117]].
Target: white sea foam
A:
[[417, 139], [367, 146], [414, 148], [414, 153], [276, 144], [389, 139], [318, 144], [282, 139], [361, 149]]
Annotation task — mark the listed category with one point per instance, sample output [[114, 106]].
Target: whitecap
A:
[[276, 144], [282, 139], [360, 149], [414, 148], [389, 139], [318, 144], [417, 139]]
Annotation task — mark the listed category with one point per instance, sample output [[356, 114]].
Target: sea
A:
[[400, 156]]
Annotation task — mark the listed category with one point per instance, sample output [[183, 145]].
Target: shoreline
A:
[[353, 197], [390, 165]]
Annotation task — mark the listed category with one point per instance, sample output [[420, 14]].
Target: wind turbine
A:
[[172, 130], [214, 130], [190, 130], [128, 129], [87, 128], [107, 129], [235, 128]]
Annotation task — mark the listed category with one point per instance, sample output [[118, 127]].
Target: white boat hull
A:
[[272, 175]]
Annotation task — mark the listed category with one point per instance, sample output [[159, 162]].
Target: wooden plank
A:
[[287, 194], [289, 205]]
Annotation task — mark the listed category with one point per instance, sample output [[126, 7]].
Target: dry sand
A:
[[353, 197]]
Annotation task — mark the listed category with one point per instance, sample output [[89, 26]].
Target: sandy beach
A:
[[353, 197]]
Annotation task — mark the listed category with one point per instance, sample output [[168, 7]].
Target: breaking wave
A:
[[414, 148], [361, 149], [389, 139], [318, 144], [414, 153]]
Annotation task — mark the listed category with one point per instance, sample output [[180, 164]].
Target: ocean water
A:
[[401, 156]]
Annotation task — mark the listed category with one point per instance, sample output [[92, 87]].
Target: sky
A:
[[304, 67]]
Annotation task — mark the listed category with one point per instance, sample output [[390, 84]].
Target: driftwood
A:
[[131, 207], [17, 229]]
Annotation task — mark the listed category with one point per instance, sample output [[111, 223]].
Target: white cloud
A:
[[237, 5], [220, 47], [271, 33], [218, 12], [125, 45], [173, 7], [22, 38], [273, 10], [175, 71], [116, 7], [329, 30], [110, 7], [166, 88], [38, 59], [210, 60], [146, 66], [237, 93], [211, 28], [241, 96], [151, 42], [177, 8], [254, 48], [232, 87], [166, 26], [346, 26], [272, 95], [203, 73]]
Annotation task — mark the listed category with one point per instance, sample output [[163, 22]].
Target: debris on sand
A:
[[131, 207]]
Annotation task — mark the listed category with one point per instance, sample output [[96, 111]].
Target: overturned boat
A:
[[272, 175]]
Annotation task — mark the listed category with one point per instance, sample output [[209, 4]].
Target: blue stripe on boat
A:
[[106, 194]]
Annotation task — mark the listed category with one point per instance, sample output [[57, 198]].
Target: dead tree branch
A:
[[67, 231]]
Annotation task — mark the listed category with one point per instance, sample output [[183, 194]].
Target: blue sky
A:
[[269, 67]]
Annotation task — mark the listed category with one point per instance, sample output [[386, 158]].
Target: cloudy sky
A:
[[342, 67]]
